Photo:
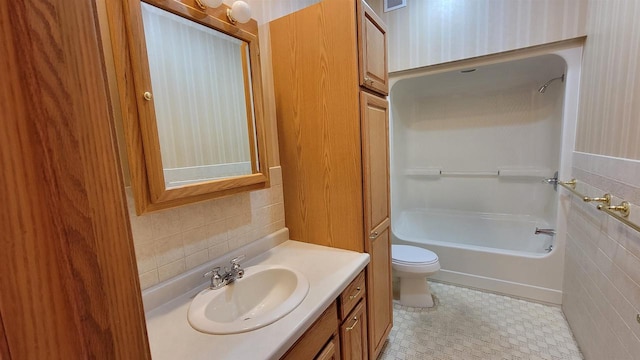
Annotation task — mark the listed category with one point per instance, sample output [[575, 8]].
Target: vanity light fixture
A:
[[239, 12], [204, 4]]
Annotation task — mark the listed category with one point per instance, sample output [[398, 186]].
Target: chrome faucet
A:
[[228, 276], [550, 232]]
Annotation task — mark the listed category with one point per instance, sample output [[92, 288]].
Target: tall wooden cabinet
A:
[[330, 77]]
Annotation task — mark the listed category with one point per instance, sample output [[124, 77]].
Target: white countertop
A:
[[328, 270]]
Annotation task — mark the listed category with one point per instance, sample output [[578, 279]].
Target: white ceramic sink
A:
[[264, 295]]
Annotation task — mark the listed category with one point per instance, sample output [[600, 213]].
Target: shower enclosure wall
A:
[[470, 150]]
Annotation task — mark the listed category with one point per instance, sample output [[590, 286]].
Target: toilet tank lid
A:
[[412, 254]]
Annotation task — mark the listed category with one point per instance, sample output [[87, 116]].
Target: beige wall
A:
[[610, 92], [428, 32], [172, 241]]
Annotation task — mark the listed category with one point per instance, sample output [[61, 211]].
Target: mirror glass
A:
[[201, 81]]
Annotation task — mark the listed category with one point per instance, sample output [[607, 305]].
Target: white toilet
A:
[[412, 265]]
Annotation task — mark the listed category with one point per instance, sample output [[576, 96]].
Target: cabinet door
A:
[[353, 333], [379, 295], [330, 351], [310, 345], [372, 49], [375, 158], [375, 155]]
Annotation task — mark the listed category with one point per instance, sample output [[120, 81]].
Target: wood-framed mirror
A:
[[190, 91]]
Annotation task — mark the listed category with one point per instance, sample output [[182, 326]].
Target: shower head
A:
[[544, 87]]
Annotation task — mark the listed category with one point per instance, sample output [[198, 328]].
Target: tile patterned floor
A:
[[467, 324]]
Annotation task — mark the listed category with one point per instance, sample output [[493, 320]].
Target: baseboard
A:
[[523, 291]]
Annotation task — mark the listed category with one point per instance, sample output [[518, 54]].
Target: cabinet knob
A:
[[373, 235], [368, 81], [147, 95]]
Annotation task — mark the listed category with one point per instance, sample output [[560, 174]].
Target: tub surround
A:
[[497, 175], [328, 270]]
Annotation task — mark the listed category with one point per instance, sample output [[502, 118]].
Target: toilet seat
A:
[[404, 254], [412, 259]]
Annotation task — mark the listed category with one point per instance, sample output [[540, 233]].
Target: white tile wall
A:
[[602, 266], [169, 242]]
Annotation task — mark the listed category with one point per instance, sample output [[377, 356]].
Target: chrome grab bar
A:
[[550, 232]]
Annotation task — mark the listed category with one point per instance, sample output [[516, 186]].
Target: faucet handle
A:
[[216, 279], [239, 272], [213, 272], [236, 260]]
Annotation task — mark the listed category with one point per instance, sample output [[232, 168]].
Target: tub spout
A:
[[550, 232]]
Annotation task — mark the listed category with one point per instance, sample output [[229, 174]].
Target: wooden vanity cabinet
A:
[[340, 332], [330, 78]]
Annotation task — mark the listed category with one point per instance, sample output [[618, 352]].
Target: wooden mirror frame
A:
[[132, 78]]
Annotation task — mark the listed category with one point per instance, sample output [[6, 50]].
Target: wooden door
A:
[[69, 284], [353, 334], [375, 155], [372, 49]]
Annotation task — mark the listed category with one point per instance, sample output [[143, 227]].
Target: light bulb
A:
[[240, 12]]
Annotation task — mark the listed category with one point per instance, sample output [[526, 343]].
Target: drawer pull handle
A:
[[351, 297], [354, 324], [374, 235]]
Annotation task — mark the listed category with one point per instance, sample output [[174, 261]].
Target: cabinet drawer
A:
[[311, 343], [351, 295]]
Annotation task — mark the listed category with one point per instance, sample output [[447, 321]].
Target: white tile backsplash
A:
[[169, 242]]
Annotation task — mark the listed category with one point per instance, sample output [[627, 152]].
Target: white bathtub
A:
[[476, 136], [494, 252], [496, 233]]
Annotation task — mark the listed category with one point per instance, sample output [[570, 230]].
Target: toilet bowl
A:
[[413, 265]]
